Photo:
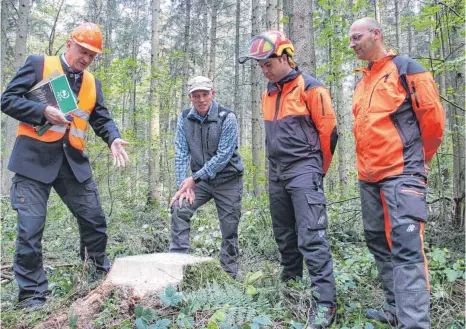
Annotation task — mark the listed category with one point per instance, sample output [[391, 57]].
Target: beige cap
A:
[[200, 83]]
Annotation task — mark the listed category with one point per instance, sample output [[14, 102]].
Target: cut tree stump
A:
[[140, 275], [150, 273]]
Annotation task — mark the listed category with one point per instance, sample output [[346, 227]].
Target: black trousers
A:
[[299, 219], [29, 198], [227, 196]]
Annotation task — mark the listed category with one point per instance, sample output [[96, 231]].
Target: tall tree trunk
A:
[[398, 26], [256, 121], [237, 100], [213, 39], [287, 4], [154, 154], [205, 41], [302, 35], [184, 91], [453, 80], [377, 11], [271, 9], [11, 124]]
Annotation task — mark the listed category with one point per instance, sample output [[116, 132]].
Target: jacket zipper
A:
[[207, 138], [202, 146], [292, 89], [414, 93], [384, 77], [322, 103], [277, 108]]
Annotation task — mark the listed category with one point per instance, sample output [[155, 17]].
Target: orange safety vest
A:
[[78, 127]]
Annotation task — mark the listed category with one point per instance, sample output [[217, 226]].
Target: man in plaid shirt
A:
[[206, 140]]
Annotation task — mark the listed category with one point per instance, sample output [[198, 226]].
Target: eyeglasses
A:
[[358, 36]]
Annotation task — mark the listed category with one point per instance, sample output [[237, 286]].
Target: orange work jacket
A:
[[398, 118]]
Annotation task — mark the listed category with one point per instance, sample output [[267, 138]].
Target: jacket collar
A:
[[275, 87], [375, 65], [212, 114]]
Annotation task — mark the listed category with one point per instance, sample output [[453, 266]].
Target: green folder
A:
[[57, 93]]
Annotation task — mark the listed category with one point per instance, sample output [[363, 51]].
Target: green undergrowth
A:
[[209, 298]]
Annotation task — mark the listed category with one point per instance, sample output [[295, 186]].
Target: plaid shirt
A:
[[226, 148]]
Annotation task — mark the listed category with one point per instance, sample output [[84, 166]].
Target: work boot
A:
[[383, 316], [30, 303], [322, 317]]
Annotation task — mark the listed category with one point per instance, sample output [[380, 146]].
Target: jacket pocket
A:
[[423, 90]]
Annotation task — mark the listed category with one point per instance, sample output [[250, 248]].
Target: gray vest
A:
[[203, 139]]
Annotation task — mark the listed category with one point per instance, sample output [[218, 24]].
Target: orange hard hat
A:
[[88, 35]]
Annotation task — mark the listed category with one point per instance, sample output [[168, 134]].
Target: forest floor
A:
[[208, 298]]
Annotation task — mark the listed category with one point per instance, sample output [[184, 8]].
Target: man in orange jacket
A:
[[398, 127], [301, 136], [56, 159]]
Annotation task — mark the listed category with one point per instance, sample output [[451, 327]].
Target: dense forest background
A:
[[151, 49]]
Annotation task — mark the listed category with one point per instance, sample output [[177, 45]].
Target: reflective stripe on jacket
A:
[[300, 124], [396, 131], [78, 127]]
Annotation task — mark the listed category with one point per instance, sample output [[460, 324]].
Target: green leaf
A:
[[285, 20], [368, 325], [219, 316], [148, 314], [254, 325], [452, 275], [251, 291], [296, 325], [212, 325], [253, 277], [140, 324], [138, 311], [262, 320], [160, 324], [170, 290]]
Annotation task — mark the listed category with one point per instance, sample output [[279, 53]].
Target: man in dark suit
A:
[[56, 159]]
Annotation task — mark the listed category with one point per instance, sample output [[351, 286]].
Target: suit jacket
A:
[[41, 160]]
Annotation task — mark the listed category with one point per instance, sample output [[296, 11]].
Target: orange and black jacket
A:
[[300, 124], [399, 119], [41, 160]]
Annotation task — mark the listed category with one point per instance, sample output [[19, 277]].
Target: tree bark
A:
[[154, 138], [256, 121], [11, 124], [271, 9], [237, 100], [213, 39], [398, 26], [184, 91], [302, 35]]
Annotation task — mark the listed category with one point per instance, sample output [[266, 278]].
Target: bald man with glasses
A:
[[398, 127]]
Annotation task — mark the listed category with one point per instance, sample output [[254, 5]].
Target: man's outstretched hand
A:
[[120, 157]]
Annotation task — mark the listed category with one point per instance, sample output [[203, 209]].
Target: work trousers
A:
[[300, 220], [394, 211], [227, 196], [29, 198]]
